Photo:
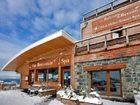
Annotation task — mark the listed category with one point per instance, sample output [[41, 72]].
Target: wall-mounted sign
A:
[[54, 62], [65, 61], [125, 16]]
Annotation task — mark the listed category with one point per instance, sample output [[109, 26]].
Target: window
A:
[[99, 82], [42, 75], [117, 34], [53, 74], [115, 83], [107, 82]]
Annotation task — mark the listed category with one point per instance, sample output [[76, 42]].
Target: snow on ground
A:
[[16, 97], [108, 102]]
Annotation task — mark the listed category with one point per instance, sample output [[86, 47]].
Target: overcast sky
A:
[[23, 22]]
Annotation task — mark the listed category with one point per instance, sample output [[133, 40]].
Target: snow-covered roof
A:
[[37, 47]]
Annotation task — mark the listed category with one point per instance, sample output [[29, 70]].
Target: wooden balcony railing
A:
[[130, 36], [106, 8]]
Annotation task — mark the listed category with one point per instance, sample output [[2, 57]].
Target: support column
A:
[[35, 76], [59, 75], [72, 80]]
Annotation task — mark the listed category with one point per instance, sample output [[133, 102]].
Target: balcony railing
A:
[[130, 36], [106, 8]]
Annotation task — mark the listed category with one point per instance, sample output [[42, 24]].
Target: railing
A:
[[105, 41], [106, 8]]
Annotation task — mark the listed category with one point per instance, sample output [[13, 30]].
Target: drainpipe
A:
[[81, 29]]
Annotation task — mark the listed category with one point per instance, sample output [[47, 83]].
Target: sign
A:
[[65, 61], [54, 62], [125, 16]]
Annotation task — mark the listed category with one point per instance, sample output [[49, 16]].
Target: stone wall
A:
[[130, 75]]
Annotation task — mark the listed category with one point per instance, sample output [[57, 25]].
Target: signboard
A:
[[125, 16], [49, 63]]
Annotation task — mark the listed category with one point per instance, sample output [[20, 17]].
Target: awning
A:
[[57, 40]]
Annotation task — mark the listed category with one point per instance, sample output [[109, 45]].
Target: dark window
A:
[[115, 87], [53, 74], [42, 75], [99, 82], [117, 34]]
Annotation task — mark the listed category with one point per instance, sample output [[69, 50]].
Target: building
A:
[[107, 58], [49, 60]]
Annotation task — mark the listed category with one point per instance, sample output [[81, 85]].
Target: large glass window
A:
[[115, 82], [99, 82], [53, 74], [42, 75], [107, 82]]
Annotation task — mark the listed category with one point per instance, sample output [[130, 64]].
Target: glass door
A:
[[66, 77]]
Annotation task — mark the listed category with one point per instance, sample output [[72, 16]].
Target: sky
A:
[[22, 22]]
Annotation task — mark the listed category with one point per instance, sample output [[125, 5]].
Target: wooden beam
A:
[[105, 67]]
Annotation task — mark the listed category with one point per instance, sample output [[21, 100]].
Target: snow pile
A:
[[137, 99], [69, 93], [137, 96], [55, 102], [15, 97]]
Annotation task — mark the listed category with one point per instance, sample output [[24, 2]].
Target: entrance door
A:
[[66, 77], [31, 77]]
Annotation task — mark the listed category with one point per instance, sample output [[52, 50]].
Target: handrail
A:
[[125, 28], [107, 43], [110, 6]]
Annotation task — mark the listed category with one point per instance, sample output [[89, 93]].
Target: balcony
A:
[[130, 36], [107, 8]]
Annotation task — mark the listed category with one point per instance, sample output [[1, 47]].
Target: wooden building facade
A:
[[48, 61], [107, 58]]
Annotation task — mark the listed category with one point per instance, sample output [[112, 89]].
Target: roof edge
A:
[[39, 42]]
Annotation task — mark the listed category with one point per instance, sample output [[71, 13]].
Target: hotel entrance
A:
[[66, 75]]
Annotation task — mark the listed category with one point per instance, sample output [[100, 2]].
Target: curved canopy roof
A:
[[57, 40]]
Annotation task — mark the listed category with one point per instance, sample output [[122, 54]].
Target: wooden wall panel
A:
[[109, 54]]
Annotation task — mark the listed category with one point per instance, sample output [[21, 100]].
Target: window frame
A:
[[108, 82]]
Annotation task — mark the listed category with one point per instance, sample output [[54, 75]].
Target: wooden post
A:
[[105, 43], [35, 76], [111, 5], [127, 39], [72, 72], [88, 46], [59, 75], [108, 82], [96, 12]]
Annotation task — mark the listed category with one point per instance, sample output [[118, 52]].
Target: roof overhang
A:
[[57, 40]]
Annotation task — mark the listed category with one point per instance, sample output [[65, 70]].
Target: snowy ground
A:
[[16, 97]]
